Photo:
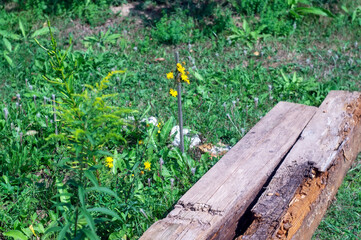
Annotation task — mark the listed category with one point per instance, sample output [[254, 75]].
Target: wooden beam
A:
[[212, 207], [298, 195]]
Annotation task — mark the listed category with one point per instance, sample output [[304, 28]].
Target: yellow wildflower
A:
[[109, 162], [158, 125], [185, 78], [140, 142], [141, 172], [147, 165], [173, 92], [105, 80], [180, 68], [170, 75]]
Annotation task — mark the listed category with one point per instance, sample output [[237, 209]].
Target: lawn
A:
[[86, 111]]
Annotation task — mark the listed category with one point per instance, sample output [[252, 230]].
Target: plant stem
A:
[[56, 127], [180, 114]]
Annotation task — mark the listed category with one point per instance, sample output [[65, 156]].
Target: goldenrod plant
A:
[[88, 122]]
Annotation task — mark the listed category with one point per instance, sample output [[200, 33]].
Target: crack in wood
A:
[[198, 207]]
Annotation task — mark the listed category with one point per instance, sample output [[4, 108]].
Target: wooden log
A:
[[212, 207], [309, 177]]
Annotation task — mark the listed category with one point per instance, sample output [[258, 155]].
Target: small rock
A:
[[151, 120], [194, 139]]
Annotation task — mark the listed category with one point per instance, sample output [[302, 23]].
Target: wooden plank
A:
[[298, 195], [212, 207]]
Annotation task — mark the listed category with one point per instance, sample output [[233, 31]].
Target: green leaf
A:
[[165, 172], [146, 111], [65, 194], [104, 211], [42, 31], [90, 234], [63, 231], [62, 192], [53, 229], [16, 234], [91, 177], [113, 37], [164, 134], [198, 76], [314, 11], [21, 26], [102, 152], [9, 60], [9, 35], [88, 218], [103, 190], [81, 196], [7, 44]]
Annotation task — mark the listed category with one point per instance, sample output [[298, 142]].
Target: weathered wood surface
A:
[[212, 207], [307, 180]]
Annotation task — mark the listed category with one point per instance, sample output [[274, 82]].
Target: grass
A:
[[341, 220], [227, 78]]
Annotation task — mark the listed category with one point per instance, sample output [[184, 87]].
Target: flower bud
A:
[[172, 183], [6, 113]]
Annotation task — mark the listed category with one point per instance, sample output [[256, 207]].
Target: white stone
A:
[[151, 120], [194, 138]]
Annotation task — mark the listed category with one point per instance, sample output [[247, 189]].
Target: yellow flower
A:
[[141, 172], [173, 92], [140, 142], [185, 78], [109, 162], [170, 75], [180, 68], [158, 125], [147, 165]]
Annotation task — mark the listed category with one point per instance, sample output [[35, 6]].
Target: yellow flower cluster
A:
[[112, 73], [173, 92], [109, 162], [180, 76], [147, 165], [182, 71], [105, 80], [170, 75], [158, 125]]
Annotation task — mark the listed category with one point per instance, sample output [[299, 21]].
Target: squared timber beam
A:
[[308, 179], [212, 207]]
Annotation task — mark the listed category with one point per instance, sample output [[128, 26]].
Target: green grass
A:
[[342, 218], [227, 79]]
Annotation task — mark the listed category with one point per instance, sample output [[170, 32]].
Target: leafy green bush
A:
[[276, 19], [297, 89], [174, 29], [251, 7]]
